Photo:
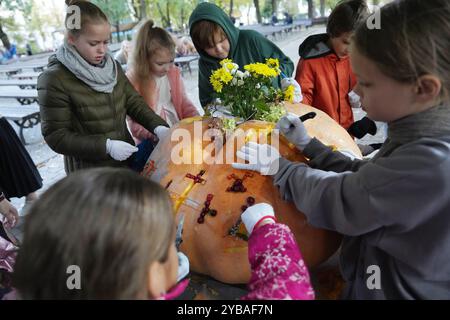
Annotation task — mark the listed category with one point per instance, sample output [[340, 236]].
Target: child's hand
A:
[[261, 157], [119, 150], [257, 215], [161, 132], [10, 213], [294, 130], [286, 82], [354, 99]]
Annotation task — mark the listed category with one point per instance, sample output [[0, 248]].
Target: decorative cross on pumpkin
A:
[[198, 178], [149, 168], [238, 230], [238, 185], [207, 210]]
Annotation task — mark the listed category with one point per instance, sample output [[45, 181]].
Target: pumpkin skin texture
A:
[[210, 248]]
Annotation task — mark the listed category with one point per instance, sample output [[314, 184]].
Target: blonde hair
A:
[[413, 41], [148, 40], [111, 223], [90, 14]]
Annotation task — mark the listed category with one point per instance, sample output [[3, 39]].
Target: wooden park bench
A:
[[22, 84], [184, 62], [8, 71], [299, 23], [26, 75], [24, 116], [270, 31], [24, 96]]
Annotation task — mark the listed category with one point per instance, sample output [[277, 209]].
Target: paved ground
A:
[[51, 165]]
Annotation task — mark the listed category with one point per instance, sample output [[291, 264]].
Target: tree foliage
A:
[[171, 14]]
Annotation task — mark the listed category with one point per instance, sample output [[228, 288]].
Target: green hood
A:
[[246, 46], [211, 12]]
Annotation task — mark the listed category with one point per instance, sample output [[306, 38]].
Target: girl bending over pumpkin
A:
[[154, 75], [117, 229]]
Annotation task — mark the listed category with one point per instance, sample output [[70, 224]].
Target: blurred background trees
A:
[[40, 23]]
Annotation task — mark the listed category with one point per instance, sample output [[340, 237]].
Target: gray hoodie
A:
[[394, 211]]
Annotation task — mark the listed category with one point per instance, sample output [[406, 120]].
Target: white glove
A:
[[119, 150], [354, 99], [294, 130], [286, 82], [255, 214], [262, 158], [161, 132], [183, 266]]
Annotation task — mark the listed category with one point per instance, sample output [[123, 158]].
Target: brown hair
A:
[[111, 223], [148, 40], [346, 16], [203, 32], [413, 41], [90, 14]]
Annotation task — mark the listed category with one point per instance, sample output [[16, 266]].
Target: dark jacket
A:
[[393, 211], [77, 121], [246, 46]]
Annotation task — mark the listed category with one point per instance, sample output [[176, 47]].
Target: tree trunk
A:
[[322, 8], [274, 6], [4, 38], [118, 31], [169, 22], [143, 10], [258, 11], [136, 9], [231, 7], [163, 17], [182, 19], [311, 9]]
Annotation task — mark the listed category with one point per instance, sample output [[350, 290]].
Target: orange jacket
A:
[[325, 79]]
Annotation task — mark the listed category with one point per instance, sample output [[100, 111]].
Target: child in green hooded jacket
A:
[[215, 37]]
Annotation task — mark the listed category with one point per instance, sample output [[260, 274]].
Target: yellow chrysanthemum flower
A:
[[273, 63], [224, 61], [261, 69], [219, 78]]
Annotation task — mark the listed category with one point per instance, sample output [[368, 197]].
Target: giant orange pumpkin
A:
[[215, 243]]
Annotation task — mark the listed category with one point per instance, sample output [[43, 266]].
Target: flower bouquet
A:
[[249, 94]]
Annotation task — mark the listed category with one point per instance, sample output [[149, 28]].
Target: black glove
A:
[[362, 127]]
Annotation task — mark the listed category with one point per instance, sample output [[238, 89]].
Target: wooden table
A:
[[325, 279], [184, 62]]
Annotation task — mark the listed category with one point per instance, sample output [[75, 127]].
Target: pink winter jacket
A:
[[277, 267], [147, 89], [278, 271]]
